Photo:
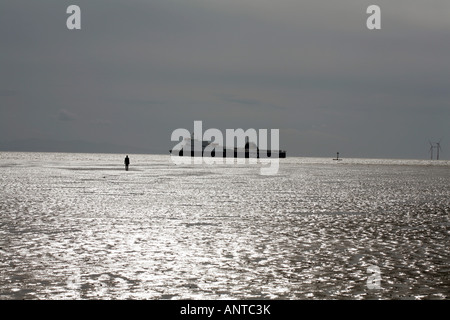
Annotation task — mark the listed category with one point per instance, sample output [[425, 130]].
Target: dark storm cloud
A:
[[310, 68]]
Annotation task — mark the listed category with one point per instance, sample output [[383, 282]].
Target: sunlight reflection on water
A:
[[77, 226]]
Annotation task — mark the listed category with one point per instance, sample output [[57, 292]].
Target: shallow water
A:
[[78, 226]]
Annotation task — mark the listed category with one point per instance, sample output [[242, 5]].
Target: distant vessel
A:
[[337, 157], [250, 150]]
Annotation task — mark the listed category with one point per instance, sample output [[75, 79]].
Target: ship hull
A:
[[235, 154]]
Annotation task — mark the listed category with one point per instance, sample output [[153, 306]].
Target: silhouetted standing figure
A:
[[127, 163]]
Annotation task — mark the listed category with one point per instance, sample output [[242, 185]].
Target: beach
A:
[[78, 226]]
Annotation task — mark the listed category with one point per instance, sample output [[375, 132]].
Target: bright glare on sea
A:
[[78, 226]]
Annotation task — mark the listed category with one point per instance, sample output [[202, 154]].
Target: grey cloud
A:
[[7, 93], [65, 115], [233, 99], [254, 103], [102, 122]]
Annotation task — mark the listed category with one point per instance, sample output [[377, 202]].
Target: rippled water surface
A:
[[78, 226]]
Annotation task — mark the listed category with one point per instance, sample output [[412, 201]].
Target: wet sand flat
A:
[[78, 226]]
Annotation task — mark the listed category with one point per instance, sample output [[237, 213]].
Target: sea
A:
[[78, 226]]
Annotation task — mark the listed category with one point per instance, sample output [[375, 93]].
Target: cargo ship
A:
[[196, 148]]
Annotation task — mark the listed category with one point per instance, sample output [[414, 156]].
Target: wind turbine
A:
[[438, 147], [431, 149]]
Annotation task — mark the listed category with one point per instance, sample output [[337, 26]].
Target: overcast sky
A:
[[139, 69]]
